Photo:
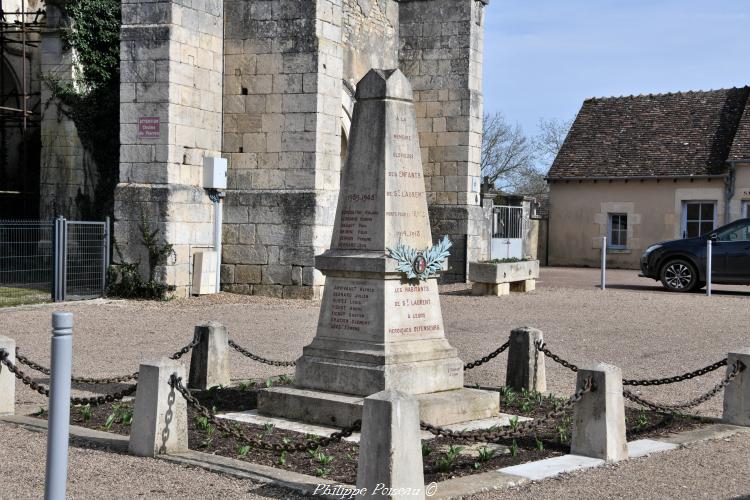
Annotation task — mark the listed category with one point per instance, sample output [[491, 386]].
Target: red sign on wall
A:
[[148, 127]]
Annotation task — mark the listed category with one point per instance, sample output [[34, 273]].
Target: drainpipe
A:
[[729, 192], [218, 220]]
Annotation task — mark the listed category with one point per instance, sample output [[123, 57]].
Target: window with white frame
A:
[[698, 218], [618, 231]]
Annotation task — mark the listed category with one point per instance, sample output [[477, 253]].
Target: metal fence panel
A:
[[26, 257], [85, 260], [55, 260]]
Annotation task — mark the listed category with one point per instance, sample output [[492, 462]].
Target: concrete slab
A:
[[551, 467], [502, 420], [643, 447]]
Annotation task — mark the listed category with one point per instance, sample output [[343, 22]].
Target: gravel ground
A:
[[633, 325]]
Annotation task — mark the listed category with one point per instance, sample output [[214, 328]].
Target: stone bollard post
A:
[[525, 362], [599, 418], [7, 379], [737, 393], [390, 450], [209, 362], [160, 415]]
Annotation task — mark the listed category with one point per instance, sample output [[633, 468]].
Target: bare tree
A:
[[513, 163], [506, 152], [549, 140]]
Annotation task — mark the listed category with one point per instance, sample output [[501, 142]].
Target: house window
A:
[[746, 209], [618, 231], [698, 218]]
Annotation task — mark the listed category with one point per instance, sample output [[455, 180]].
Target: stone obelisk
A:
[[377, 329]]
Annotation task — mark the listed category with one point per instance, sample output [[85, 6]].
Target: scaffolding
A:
[[20, 34]]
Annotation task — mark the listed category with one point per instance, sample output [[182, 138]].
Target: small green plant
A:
[[41, 411], [322, 458], [269, 383], [426, 450], [539, 444], [282, 458], [268, 429], [514, 449], [447, 462], [286, 379], [243, 450], [246, 386], [563, 429], [476, 465], [485, 454], [641, 421], [202, 422], [322, 471], [513, 422], [121, 414], [85, 412]]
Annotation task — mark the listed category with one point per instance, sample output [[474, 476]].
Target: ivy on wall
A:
[[92, 101]]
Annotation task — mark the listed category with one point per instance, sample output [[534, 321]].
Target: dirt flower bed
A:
[[444, 457]]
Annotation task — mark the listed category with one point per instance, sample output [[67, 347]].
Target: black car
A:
[[681, 264]]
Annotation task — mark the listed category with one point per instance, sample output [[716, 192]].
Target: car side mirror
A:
[[713, 237]]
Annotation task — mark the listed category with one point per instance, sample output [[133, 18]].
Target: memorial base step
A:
[[341, 410]]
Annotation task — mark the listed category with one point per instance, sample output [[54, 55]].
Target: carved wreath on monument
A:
[[420, 264]]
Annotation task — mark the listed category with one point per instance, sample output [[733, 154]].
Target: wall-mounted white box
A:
[[204, 272], [214, 172]]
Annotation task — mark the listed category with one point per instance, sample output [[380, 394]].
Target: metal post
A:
[[709, 265], [58, 257], [59, 406], [218, 208], [105, 256], [604, 264]]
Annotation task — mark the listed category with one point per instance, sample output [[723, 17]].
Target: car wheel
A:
[[679, 276]]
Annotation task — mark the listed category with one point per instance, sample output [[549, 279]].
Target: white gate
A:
[[508, 229]]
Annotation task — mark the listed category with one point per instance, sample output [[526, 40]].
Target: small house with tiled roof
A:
[[648, 168]]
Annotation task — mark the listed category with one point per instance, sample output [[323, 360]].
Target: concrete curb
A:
[[302, 483]]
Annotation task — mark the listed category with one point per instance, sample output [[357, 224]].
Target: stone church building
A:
[[269, 85]]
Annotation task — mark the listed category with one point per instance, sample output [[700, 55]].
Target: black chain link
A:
[[737, 367], [81, 380], [542, 347], [44, 390], [677, 378], [260, 359], [223, 425], [524, 428], [490, 356], [185, 349]]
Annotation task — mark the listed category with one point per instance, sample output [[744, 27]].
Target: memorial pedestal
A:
[[379, 330]]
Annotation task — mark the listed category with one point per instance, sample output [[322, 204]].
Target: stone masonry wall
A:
[[441, 53], [171, 62], [369, 37], [66, 169], [282, 134]]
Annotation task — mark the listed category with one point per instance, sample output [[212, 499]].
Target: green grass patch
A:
[[17, 296]]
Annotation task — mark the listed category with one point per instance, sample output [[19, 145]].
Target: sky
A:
[[542, 58]]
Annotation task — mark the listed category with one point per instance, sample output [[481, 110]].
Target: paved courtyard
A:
[[636, 326]]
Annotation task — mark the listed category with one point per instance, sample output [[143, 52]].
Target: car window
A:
[[739, 232]]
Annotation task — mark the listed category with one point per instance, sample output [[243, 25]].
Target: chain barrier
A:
[[185, 349], [260, 359], [44, 390], [81, 380], [677, 378], [489, 357], [524, 428], [736, 369], [223, 425], [542, 347]]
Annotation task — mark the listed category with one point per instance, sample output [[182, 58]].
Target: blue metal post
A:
[[59, 406], [709, 265], [603, 284]]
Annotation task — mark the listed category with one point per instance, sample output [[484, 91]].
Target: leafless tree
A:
[[506, 152], [515, 164], [549, 140]]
